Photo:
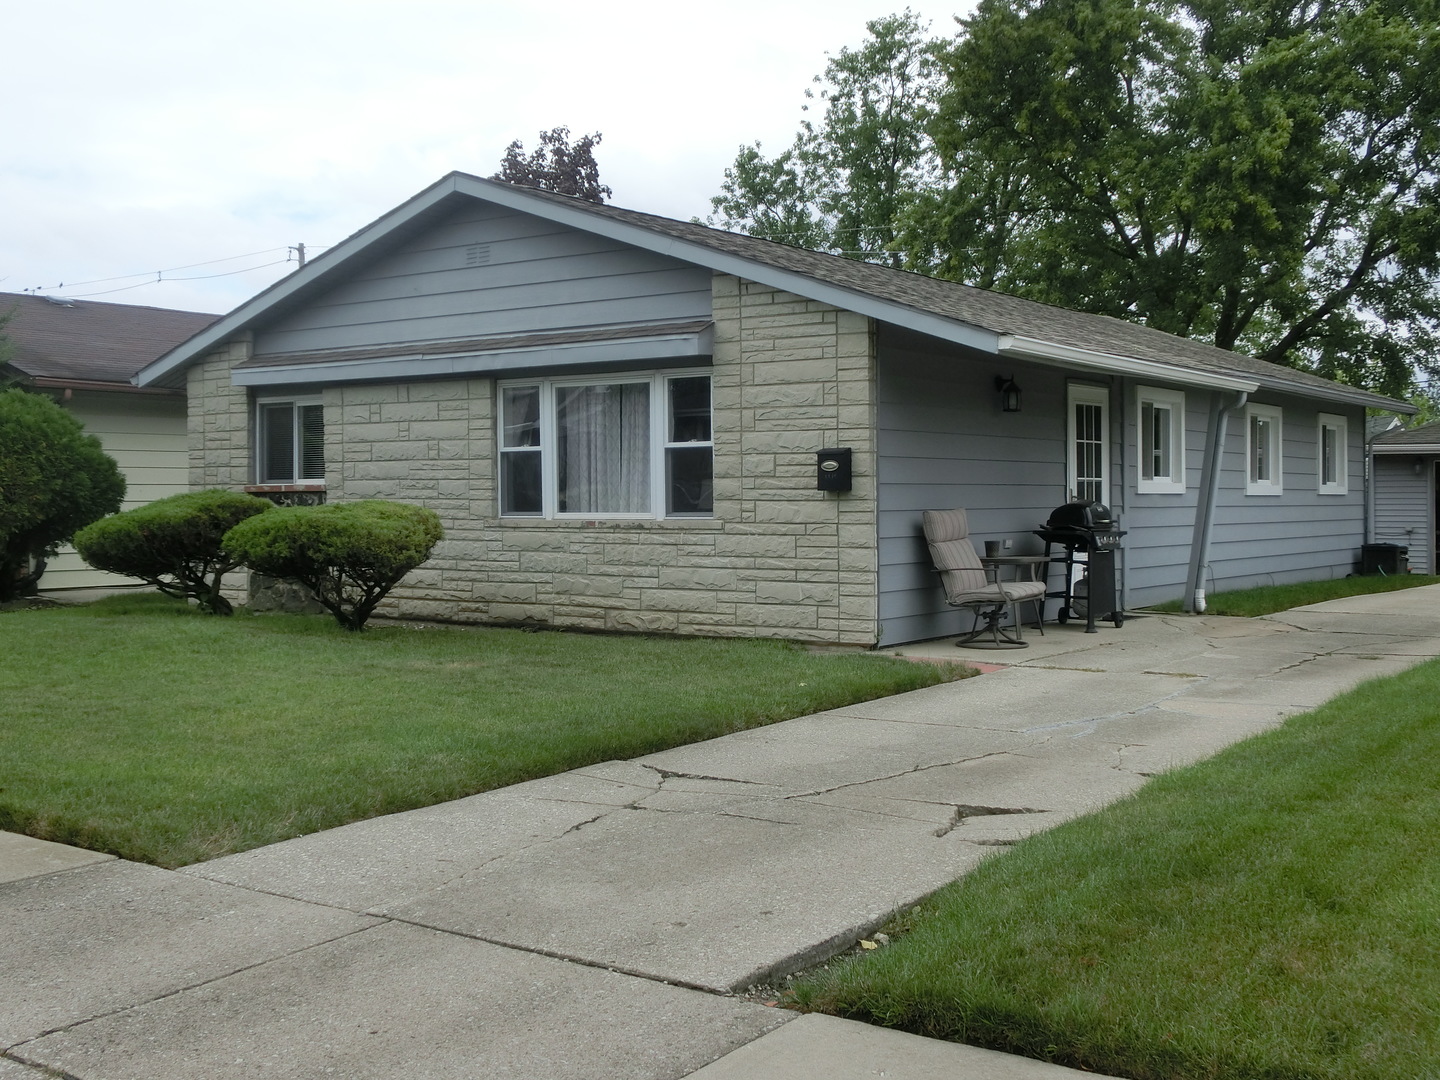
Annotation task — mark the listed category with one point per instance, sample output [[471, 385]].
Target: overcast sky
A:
[[146, 135]]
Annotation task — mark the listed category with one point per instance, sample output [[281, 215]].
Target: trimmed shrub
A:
[[174, 543], [53, 479], [348, 554]]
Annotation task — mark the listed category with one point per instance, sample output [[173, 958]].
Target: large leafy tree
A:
[[556, 165], [845, 182], [1261, 176], [54, 479]]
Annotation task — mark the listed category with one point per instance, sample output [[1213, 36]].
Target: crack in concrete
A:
[[671, 774], [897, 775], [964, 811]]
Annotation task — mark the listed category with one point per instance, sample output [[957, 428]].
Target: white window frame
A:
[[1265, 465], [1087, 394], [1172, 404], [660, 444], [1340, 483], [298, 446]]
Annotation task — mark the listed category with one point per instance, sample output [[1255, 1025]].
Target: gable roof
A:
[[71, 342], [1006, 326], [1424, 439]]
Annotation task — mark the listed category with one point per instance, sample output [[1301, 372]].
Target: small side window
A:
[[1263, 457], [290, 443], [1160, 422], [1332, 445]]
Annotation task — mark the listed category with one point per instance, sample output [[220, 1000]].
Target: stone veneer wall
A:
[[778, 559]]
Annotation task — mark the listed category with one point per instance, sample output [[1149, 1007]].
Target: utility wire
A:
[[161, 280], [155, 277]]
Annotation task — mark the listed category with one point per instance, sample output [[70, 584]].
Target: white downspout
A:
[[1209, 493]]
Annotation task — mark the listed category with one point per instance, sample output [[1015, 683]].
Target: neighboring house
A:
[[1406, 481], [618, 417], [83, 354]]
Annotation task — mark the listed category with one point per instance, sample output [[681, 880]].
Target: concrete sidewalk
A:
[[599, 923]]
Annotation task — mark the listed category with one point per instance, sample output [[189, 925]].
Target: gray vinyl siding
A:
[[1403, 507], [942, 443], [530, 275], [1160, 526], [1300, 535]]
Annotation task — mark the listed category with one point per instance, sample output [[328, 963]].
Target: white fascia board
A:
[[668, 347], [952, 330], [1024, 348]]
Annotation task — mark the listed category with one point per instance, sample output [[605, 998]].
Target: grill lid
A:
[[1082, 514]]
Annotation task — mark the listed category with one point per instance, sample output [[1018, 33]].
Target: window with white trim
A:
[[1263, 456], [290, 441], [1160, 422], [611, 446], [1332, 451]]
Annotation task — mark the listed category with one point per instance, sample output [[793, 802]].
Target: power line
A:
[[155, 277]]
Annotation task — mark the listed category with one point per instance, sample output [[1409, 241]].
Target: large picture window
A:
[[619, 446], [1161, 424], [1263, 451], [290, 443]]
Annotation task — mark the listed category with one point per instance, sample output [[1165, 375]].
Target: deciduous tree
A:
[[557, 165], [847, 179]]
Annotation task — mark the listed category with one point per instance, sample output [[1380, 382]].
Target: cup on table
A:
[[992, 549]]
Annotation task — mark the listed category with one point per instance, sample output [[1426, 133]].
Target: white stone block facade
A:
[[778, 558]]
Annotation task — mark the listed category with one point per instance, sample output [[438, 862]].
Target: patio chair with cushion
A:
[[969, 585]]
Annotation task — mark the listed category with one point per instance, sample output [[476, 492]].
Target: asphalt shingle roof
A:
[[91, 342], [997, 312]]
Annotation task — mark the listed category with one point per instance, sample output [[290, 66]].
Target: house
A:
[[83, 354], [1405, 470], [619, 417]]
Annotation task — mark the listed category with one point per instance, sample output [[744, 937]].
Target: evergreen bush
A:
[[53, 479], [350, 555], [174, 543]]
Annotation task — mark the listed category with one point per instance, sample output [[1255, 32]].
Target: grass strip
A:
[[135, 727], [1267, 599], [1270, 913]]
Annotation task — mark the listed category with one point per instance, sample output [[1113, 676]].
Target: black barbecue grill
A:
[[1088, 528]]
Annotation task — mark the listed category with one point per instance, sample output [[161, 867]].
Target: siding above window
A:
[[1332, 453], [1160, 456], [1263, 451]]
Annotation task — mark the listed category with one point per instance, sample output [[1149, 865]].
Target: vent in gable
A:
[[477, 255]]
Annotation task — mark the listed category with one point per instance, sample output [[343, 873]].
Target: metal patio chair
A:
[[968, 585]]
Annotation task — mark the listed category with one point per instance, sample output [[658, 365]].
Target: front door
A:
[[1088, 440]]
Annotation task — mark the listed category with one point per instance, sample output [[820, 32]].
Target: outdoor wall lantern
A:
[[1009, 393]]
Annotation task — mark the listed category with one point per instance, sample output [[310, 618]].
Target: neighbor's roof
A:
[[992, 322], [58, 341], [1424, 439]]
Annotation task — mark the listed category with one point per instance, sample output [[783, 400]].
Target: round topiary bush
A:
[[174, 543], [348, 554]]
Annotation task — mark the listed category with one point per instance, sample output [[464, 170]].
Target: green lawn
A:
[[1271, 913], [1248, 603], [136, 727]]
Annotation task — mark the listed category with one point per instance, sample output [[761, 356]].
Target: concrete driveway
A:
[[605, 922]]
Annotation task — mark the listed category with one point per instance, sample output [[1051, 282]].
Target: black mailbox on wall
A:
[[832, 472]]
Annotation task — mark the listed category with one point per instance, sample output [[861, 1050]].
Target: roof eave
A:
[[1035, 349]]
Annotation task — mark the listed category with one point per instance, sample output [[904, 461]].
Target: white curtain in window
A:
[[603, 436]]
